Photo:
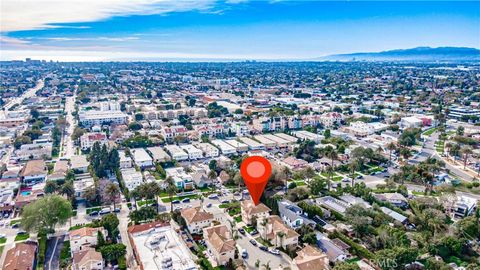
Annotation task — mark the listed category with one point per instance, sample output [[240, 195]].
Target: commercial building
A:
[[93, 118], [279, 142], [157, 245]]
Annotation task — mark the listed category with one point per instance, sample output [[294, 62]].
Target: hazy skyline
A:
[[214, 30]]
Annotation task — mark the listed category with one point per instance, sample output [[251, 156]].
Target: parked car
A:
[[253, 242], [264, 248], [93, 213], [274, 251], [105, 210], [213, 196], [241, 230], [209, 205], [244, 254], [225, 201], [175, 201], [186, 200], [254, 232]]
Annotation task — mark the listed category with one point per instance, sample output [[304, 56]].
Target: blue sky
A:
[[78, 30]]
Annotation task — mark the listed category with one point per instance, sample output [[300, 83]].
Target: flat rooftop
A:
[[160, 246]]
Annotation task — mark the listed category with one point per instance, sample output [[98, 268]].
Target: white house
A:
[[141, 158], [84, 238], [197, 219]]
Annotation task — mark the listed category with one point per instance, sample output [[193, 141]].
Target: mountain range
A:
[[427, 54]]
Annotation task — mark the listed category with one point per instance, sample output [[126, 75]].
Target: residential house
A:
[[141, 158], [21, 257], [196, 219], [334, 253], [310, 258], [125, 162], [396, 199], [79, 164], [220, 242], [87, 140], [251, 212], [34, 171], [273, 229], [84, 238], [87, 259], [59, 171], [292, 215]]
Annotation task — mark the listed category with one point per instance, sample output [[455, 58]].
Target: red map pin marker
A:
[[256, 171]]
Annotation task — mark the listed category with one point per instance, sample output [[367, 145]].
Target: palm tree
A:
[[466, 151], [391, 147], [281, 235], [448, 146], [112, 191], [136, 194], [264, 225], [153, 190], [266, 266], [329, 179], [171, 190], [354, 165], [212, 175]]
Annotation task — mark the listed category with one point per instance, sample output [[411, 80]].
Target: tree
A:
[[134, 126], [212, 165], [112, 191], [466, 151], [45, 213], [391, 147], [316, 185], [152, 189], [110, 222], [460, 131], [397, 257], [346, 266], [77, 133], [50, 187], [21, 140], [171, 190], [143, 214], [113, 252], [67, 189], [100, 239]]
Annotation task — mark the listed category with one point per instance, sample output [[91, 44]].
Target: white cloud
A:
[[17, 15]]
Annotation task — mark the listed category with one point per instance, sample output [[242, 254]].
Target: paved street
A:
[[27, 94], [52, 254]]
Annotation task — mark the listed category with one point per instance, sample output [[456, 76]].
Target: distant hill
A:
[[427, 54]]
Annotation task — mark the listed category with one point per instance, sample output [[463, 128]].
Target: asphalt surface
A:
[[52, 255]]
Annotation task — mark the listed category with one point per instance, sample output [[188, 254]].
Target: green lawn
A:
[[1, 250], [248, 229], [238, 218], [234, 211], [143, 202], [263, 242], [429, 132], [22, 237], [15, 221], [167, 200], [92, 209], [3, 240]]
